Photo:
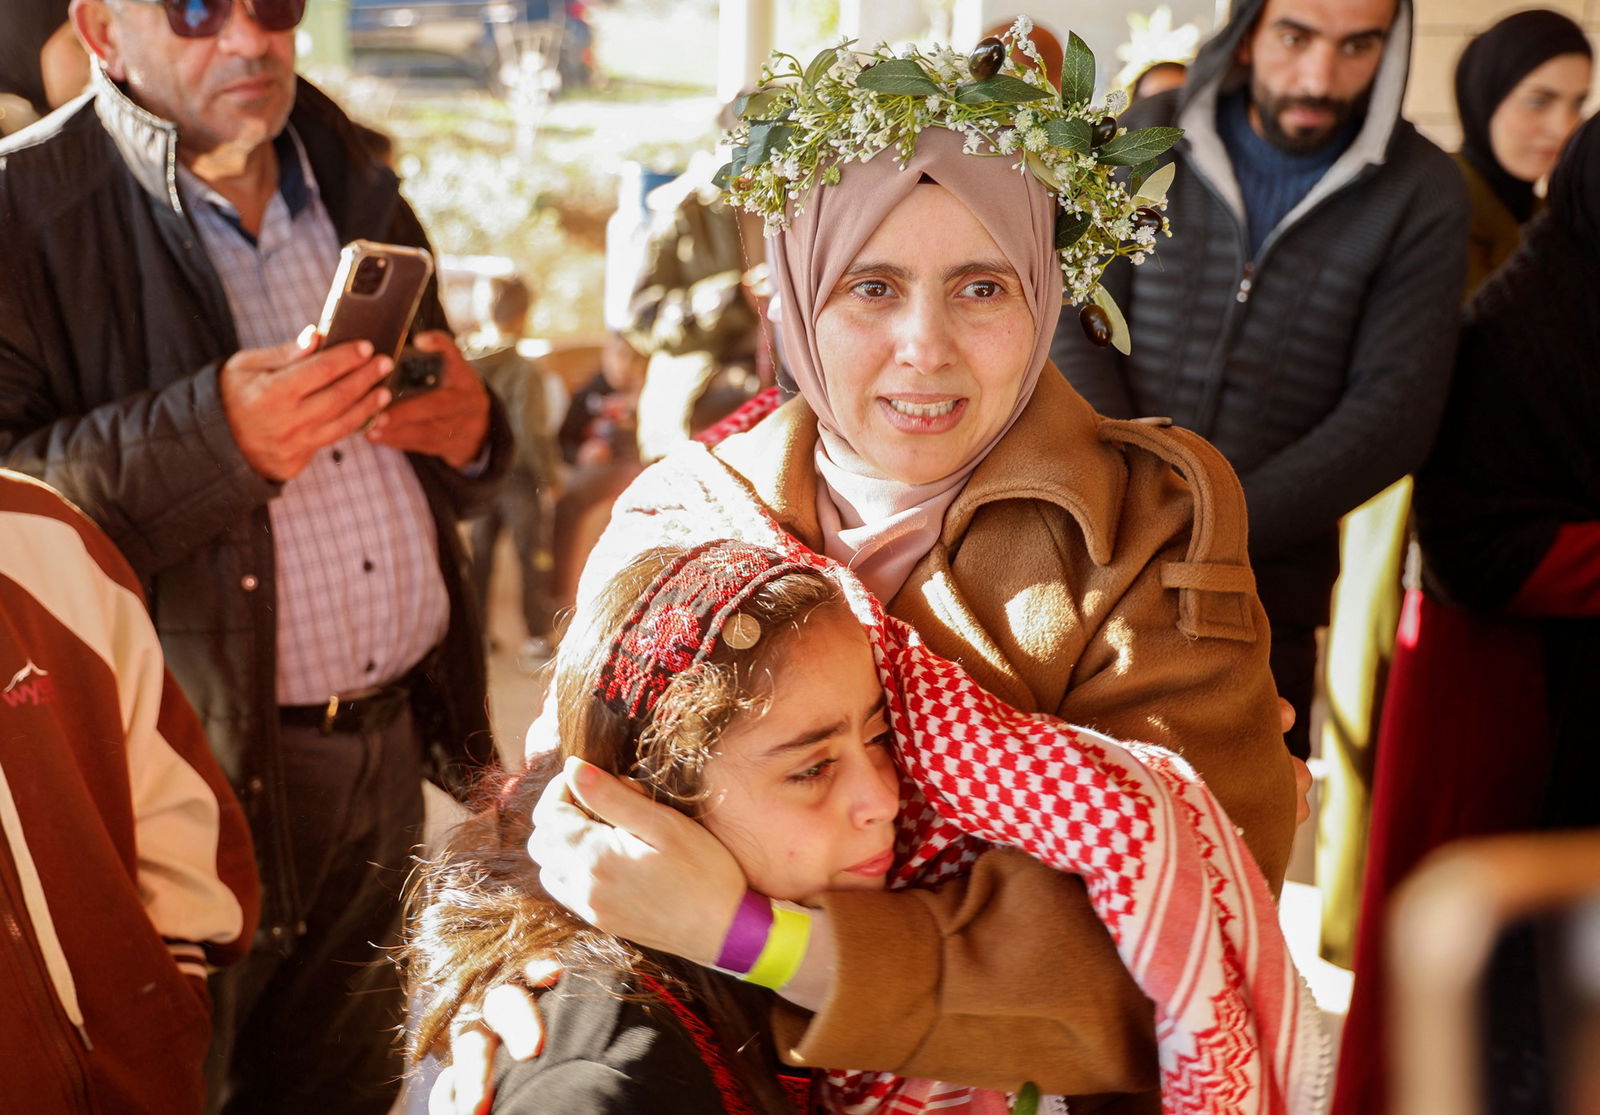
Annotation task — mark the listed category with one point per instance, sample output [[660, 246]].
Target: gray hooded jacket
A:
[[1320, 367]]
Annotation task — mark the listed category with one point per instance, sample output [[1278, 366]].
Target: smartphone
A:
[[374, 297]]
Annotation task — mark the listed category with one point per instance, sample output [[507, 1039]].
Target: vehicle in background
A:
[[482, 40]]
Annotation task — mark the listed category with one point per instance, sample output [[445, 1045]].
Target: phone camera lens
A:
[[369, 275]]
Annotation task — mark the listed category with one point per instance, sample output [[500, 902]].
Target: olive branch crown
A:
[[802, 123]]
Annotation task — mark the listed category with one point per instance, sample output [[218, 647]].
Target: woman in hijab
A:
[[1090, 569], [1489, 726], [1520, 88]]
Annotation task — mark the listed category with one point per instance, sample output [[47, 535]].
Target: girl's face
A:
[[925, 340], [1532, 125], [803, 791]]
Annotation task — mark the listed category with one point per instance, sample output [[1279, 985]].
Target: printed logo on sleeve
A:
[[31, 685]]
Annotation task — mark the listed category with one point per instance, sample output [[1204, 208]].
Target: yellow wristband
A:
[[785, 948]]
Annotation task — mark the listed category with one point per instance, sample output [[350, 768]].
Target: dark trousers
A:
[[318, 1030], [518, 509], [1294, 668]]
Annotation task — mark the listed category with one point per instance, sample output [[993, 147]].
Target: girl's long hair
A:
[[476, 911]]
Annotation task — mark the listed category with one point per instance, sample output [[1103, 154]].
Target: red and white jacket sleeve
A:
[[192, 856]]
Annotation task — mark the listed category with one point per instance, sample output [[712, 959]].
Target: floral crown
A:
[[800, 124]]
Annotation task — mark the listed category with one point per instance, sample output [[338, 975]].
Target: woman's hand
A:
[[633, 867]]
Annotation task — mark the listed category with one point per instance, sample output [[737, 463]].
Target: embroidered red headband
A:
[[681, 617]]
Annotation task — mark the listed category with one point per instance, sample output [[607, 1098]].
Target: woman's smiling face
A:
[[803, 791], [925, 340]]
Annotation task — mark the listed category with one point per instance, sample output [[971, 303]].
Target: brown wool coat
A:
[[1077, 573]]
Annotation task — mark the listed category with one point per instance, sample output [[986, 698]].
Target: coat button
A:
[[249, 582], [254, 785]]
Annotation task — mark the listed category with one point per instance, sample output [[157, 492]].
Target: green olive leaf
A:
[[1121, 339], [1138, 174], [1001, 87], [1077, 71], [1027, 1100], [1152, 189], [820, 65], [1133, 148], [723, 176], [1072, 133], [765, 140], [1042, 171], [898, 77], [760, 105], [1070, 228]]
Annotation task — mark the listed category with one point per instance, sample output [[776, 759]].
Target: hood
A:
[[1214, 71]]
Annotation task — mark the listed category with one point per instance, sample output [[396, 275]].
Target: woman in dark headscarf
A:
[[1487, 727], [1520, 88], [1508, 507]]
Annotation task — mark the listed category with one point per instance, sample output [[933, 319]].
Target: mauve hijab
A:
[[877, 525], [1490, 68]]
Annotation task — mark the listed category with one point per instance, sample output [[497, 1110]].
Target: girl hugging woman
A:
[[797, 781], [673, 686]]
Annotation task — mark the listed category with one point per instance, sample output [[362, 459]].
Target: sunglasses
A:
[[200, 19]]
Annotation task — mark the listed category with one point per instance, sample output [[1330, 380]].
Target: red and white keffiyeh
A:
[[1187, 906]]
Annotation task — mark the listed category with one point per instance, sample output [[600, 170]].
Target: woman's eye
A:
[[871, 288], [985, 288], [812, 773]]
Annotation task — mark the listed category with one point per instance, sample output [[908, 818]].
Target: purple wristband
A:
[[747, 936]]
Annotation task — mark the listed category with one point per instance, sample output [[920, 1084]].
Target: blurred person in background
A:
[[1520, 88], [170, 238], [1488, 724], [520, 506], [1303, 315], [1158, 78], [692, 313], [41, 60], [599, 442]]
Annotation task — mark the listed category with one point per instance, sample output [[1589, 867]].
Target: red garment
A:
[[1444, 771], [1566, 582], [125, 862]]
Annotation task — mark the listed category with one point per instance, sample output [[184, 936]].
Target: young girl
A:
[[673, 688], [675, 685]]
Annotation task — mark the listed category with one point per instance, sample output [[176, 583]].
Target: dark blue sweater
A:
[[1272, 181]]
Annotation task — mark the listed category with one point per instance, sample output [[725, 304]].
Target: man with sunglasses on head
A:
[[168, 240]]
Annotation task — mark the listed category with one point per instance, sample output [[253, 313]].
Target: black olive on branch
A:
[[1096, 325], [1148, 216], [985, 59], [1105, 131]]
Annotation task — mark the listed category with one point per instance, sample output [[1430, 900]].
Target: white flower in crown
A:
[[846, 104]]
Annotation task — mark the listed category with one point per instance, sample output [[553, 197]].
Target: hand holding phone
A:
[[374, 297]]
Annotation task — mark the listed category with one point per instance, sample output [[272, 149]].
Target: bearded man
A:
[[1303, 316]]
